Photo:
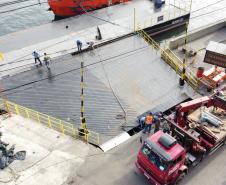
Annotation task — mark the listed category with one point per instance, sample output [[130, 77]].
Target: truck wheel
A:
[[180, 178]]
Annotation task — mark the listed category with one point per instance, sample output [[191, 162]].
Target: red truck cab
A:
[[161, 159]]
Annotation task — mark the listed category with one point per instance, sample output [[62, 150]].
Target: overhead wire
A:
[[208, 13], [207, 6], [19, 8], [78, 68], [112, 90], [102, 20], [13, 2], [87, 13]]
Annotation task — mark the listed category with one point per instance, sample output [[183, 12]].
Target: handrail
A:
[[54, 123], [169, 57]]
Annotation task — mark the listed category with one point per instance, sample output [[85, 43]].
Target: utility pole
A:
[[183, 74], [134, 17]]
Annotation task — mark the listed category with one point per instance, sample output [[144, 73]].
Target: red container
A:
[[200, 71]]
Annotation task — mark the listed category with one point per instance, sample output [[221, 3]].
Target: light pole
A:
[[183, 73]]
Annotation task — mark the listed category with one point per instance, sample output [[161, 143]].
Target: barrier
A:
[[53, 123], [170, 58]]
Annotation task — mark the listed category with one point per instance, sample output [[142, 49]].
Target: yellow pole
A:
[[38, 117], [179, 9], [1, 56], [174, 8], [49, 122], [190, 6], [17, 109], [61, 127], [134, 15]]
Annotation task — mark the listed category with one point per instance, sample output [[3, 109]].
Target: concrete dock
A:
[[51, 158]]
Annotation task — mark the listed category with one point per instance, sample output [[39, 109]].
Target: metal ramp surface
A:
[[128, 71]]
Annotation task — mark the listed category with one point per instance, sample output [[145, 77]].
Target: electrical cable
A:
[[77, 68], [208, 13], [11, 10], [207, 6], [13, 2], [112, 90], [87, 13], [105, 21]]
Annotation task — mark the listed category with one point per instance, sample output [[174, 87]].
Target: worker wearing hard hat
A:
[[148, 123]]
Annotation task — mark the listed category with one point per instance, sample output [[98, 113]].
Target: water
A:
[[23, 18], [37, 15]]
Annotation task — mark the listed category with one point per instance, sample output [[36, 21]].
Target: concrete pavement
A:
[[71, 162], [51, 158], [117, 168]]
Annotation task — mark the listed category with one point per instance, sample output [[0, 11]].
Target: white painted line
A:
[[112, 143]]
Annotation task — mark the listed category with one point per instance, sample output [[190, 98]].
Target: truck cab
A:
[[161, 159]]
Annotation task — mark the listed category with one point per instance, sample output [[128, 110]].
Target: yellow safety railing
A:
[[53, 123], [169, 57]]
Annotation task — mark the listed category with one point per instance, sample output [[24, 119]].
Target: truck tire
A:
[[180, 178]]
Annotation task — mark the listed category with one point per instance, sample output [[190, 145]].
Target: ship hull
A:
[[68, 8]]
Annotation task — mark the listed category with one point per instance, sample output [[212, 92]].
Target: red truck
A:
[[196, 129]]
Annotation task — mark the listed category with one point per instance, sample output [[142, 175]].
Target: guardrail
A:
[[170, 58], [53, 123]]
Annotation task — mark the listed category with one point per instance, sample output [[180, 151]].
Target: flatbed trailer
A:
[[197, 128]]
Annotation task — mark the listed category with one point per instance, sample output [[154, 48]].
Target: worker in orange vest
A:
[[148, 123]]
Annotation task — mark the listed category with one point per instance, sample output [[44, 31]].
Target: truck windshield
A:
[[154, 158]]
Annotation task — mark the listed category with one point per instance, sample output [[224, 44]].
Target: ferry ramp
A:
[[124, 78]]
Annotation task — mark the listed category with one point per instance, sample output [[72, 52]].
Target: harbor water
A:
[[16, 15], [20, 14]]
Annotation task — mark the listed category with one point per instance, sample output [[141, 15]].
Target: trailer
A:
[[197, 128]]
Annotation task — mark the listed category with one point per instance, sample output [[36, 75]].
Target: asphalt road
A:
[[117, 168]]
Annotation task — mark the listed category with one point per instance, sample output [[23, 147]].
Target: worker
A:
[[47, 60], [166, 127], [79, 45], [142, 122], [156, 119], [148, 123], [37, 57], [3, 145], [90, 45]]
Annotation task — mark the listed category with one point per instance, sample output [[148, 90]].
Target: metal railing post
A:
[[61, 127], [49, 122], [7, 107], [27, 113], [38, 117], [17, 109]]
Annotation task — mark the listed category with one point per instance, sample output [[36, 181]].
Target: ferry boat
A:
[[68, 8]]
